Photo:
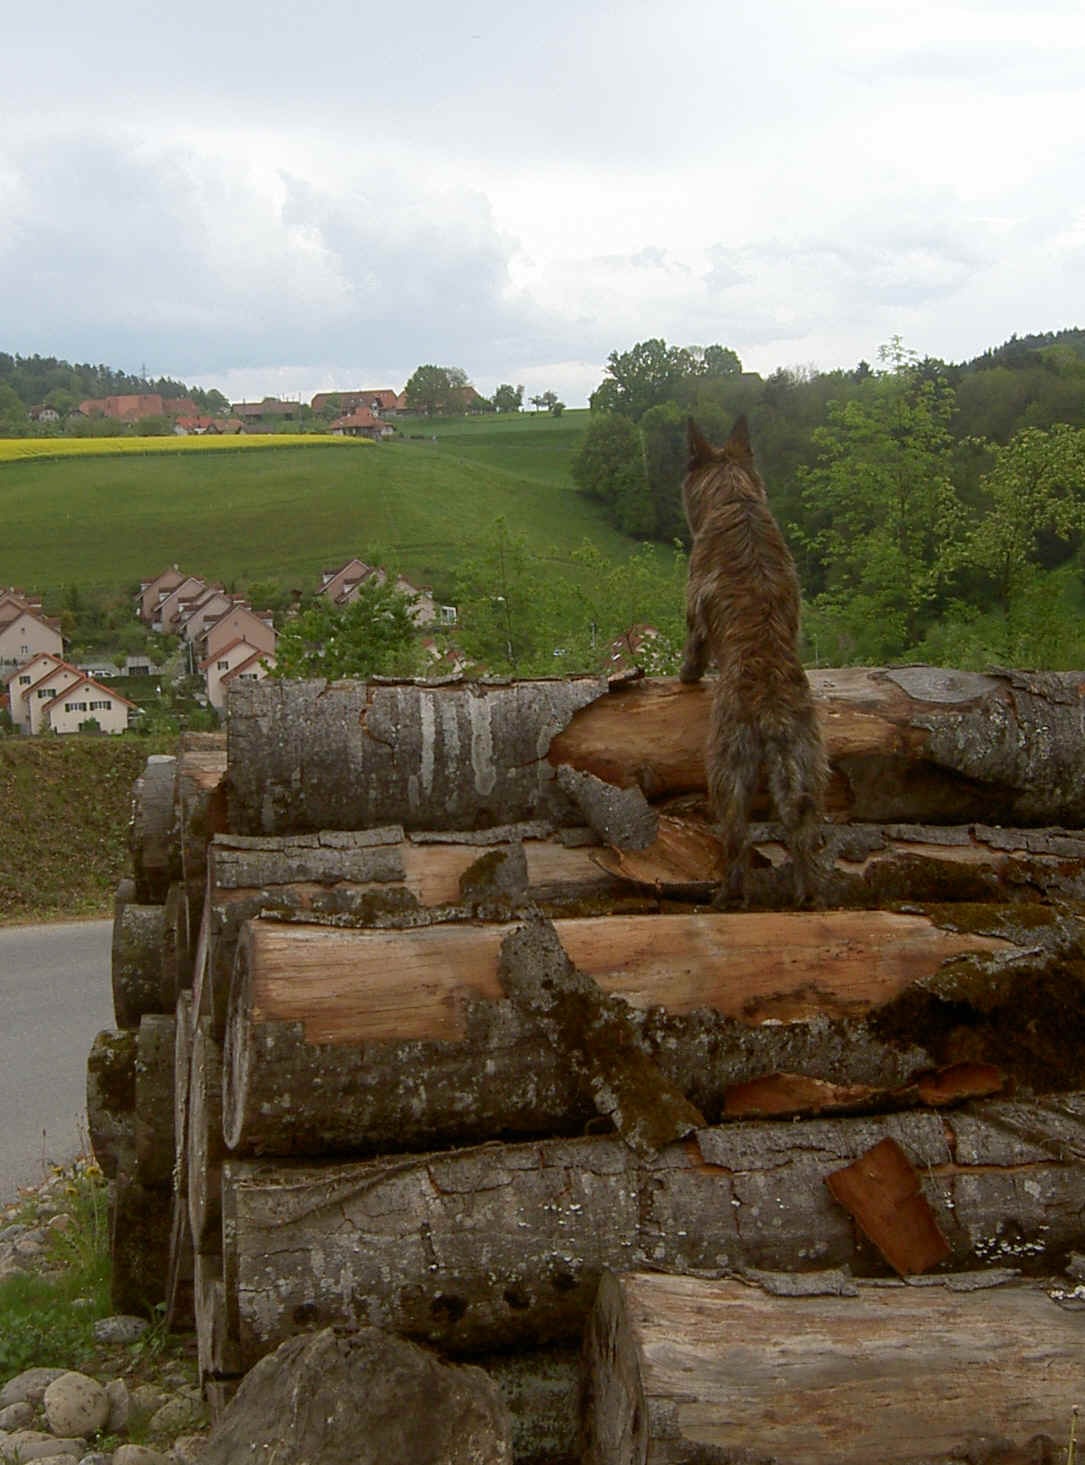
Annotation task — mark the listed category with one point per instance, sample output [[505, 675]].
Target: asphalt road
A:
[[54, 996]]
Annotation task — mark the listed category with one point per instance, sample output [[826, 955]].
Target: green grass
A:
[[97, 523], [64, 808]]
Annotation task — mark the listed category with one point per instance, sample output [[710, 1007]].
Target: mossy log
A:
[[504, 1245], [152, 832], [906, 744], [111, 1101], [154, 1098], [136, 964], [348, 1040], [679, 1371], [139, 1245]]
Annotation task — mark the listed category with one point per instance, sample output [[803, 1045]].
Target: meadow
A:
[[98, 521]]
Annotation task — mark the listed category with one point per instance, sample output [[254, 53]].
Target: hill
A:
[[421, 500], [64, 809]]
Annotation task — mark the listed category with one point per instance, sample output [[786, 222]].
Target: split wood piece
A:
[[217, 1353], [201, 813], [594, 1034], [380, 877], [182, 1063], [155, 1053], [867, 865], [308, 755], [180, 1315], [111, 1101], [152, 832], [205, 1143], [503, 1245], [882, 1191], [136, 964], [777, 1094], [679, 1371], [906, 743], [360, 1040], [139, 1245]]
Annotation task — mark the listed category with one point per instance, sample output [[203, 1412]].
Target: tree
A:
[[373, 636], [501, 604], [436, 389], [652, 372], [508, 398], [610, 467], [883, 517], [1036, 494]]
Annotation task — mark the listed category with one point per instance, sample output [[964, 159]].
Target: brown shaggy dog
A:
[[742, 612]]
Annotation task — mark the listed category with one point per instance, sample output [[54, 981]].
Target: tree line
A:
[[936, 512]]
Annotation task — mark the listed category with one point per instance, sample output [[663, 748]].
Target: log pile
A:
[[425, 1020]]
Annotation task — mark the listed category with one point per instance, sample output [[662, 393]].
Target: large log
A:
[[426, 756], [907, 744], [201, 813], [679, 1371], [111, 1101], [504, 1245], [205, 1143], [348, 1040], [151, 834], [136, 964], [154, 1099]]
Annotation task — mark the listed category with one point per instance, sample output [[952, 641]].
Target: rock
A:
[[189, 1448], [96, 1458], [360, 1398], [116, 1391], [28, 1386], [75, 1405], [177, 1414], [145, 1399], [121, 1328], [16, 1416], [139, 1455], [35, 1444], [62, 1221]]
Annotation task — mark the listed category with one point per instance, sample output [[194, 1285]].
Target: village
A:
[[223, 638]]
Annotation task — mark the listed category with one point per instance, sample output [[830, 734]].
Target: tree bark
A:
[[201, 813], [205, 1143], [217, 1353], [154, 1068], [357, 1040], [428, 757], [155, 856], [111, 1101], [504, 1245], [138, 935], [680, 1370], [907, 744], [182, 1065]]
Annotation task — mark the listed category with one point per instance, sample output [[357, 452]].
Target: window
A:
[[46, 692], [24, 681], [75, 707], [101, 706]]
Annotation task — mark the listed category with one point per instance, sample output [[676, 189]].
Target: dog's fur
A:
[[742, 612]]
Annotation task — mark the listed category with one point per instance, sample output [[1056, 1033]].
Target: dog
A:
[[742, 612]]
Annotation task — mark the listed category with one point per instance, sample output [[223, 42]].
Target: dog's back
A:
[[742, 611]]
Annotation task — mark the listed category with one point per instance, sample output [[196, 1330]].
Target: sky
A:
[[278, 199]]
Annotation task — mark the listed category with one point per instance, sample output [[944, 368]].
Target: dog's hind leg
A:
[[797, 774], [733, 765]]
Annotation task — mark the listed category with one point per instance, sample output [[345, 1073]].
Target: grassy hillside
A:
[[284, 514], [64, 810]]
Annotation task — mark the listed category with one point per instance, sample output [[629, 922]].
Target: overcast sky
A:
[[282, 199]]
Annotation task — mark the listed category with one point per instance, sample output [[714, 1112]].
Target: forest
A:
[[936, 512]]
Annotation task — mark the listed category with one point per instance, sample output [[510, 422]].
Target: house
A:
[[167, 613], [128, 408], [341, 588], [269, 410], [361, 423], [48, 676], [238, 623], [198, 613], [151, 592], [13, 599], [43, 413], [87, 700], [381, 401], [195, 425], [238, 660], [24, 632]]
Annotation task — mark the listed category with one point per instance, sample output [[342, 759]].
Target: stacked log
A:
[[433, 1025]]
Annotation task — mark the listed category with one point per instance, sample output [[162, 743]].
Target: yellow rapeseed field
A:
[[20, 449]]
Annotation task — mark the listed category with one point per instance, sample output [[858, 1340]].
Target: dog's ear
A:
[[738, 444], [701, 450]]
